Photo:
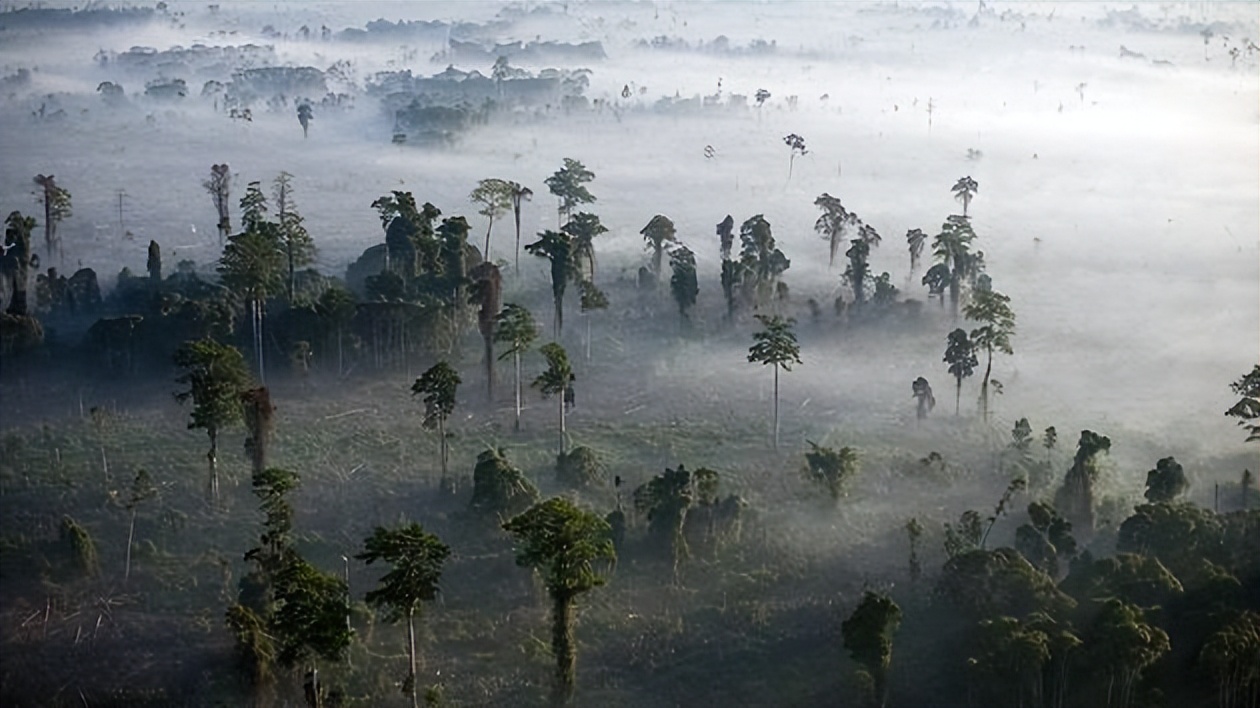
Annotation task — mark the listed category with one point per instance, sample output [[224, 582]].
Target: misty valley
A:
[[630, 353]]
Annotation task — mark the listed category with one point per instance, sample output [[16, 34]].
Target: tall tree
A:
[[299, 249], [992, 310], [569, 185], [776, 346], [796, 144], [142, 490], [658, 232], [1247, 409], [17, 261], [952, 248], [516, 328], [664, 501], [416, 557], [57, 207], [834, 223], [220, 188], [438, 386], [590, 298], [253, 264], [305, 114], [519, 195], [583, 228], [487, 294], [557, 248], [215, 376], [915, 240], [1122, 645], [726, 236], [858, 270], [763, 260], [960, 354], [964, 190], [1166, 482], [154, 264], [563, 543], [831, 468], [259, 417], [555, 379], [1075, 499], [868, 635], [494, 197], [683, 283]]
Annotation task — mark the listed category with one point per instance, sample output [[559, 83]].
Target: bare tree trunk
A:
[[562, 430], [588, 337], [131, 533], [562, 645], [516, 210], [486, 253], [776, 406], [411, 652], [957, 393], [516, 360], [213, 458], [442, 447], [984, 388]]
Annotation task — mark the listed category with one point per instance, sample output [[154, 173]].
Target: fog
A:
[[1115, 152]]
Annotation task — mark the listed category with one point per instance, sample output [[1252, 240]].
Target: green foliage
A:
[[658, 232], [997, 325], [763, 261], [556, 376], [831, 468], [310, 616], [494, 197], [591, 297], [579, 467], [416, 557], [960, 354], [868, 635], [295, 241], [1232, 654], [1121, 645], [980, 584], [1132, 578], [682, 282], [952, 248], [498, 487], [1179, 534], [1166, 482], [568, 184], [966, 536], [215, 376], [1075, 498], [665, 500], [253, 262], [563, 542], [79, 547], [1247, 409], [1008, 659], [775, 344], [583, 228], [438, 385], [515, 327], [557, 248], [1046, 540]]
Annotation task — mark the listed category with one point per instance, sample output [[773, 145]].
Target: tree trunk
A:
[[131, 533], [213, 458], [486, 254], [559, 303], [292, 268], [984, 387], [516, 211], [564, 649], [588, 337], [442, 446], [562, 431], [776, 406], [411, 652], [516, 361], [957, 393]]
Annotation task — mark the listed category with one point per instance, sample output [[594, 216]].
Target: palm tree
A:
[[960, 354], [557, 248], [569, 185], [216, 377], [658, 232], [417, 557], [997, 324], [775, 345], [518, 195], [563, 543], [438, 385], [916, 239], [584, 227], [964, 189], [833, 223], [516, 328], [495, 196], [555, 379]]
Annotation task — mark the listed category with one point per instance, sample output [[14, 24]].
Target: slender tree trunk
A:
[[411, 652], [562, 431], [559, 303], [588, 337], [442, 446], [984, 388], [516, 211], [213, 458], [292, 270], [957, 393], [516, 361], [776, 406], [341, 360], [105, 470], [564, 649], [131, 534], [486, 254]]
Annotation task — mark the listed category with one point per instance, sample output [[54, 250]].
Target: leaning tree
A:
[[775, 346], [563, 543]]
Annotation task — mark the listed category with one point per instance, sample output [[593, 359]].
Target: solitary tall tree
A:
[[56, 201], [775, 346], [569, 185], [416, 557], [438, 385], [960, 354], [683, 283], [216, 377], [658, 232], [563, 543], [964, 190], [519, 195], [557, 248], [516, 328], [834, 223], [868, 635], [555, 379], [220, 188], [992, 310], [796, 144], [494, 197]]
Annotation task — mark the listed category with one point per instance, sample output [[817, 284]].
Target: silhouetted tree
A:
[[519, 195], [220, 188], [834, 222], [416, 557], [57, 208], [499, 487], [216, 376], [964, 189], [831, 468], [1247, 409], [915, 240], [557, 248], [775, 346], [960, 354], [555, 379], [1121, 644], [305, 114], [516, 328], [494, 197], [763, 261], [726, 236], [487, 294], [868, 635], [658, 232], [590, 298], [1075, 499], [1166, 482], [253, 264], [796, 144], [683, 283], [17, 261], [921, 391], [299, 249], [438, 385], [952, 248], [563, 543], [997, 324], [583, 228], [154, 264], [569, 185]]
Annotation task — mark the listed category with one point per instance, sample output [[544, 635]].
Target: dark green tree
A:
[[57, 208], [563, 543], [960, 354], [583, 228], [416, 557], [858, 270], [868, 636], [1247, 409], [590, 299], [1008, 661], [295, 241], [515, 327], [498, 487], [252, 266], [438, 386], [834, 223], [763, 261], [992, 310], [964, 190], [831, 468], [683, 283], [1075, 499], [915, 240], [1046, 540], [487, 295], [665, 500], [580, 467], [1166, 482], [494, 197], [569, 185], [557, 248], [555, 379], [1232, 654], [952, 248], [775, 345], [519, 195], [215, 376], [1122, 644], [656, 235]]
